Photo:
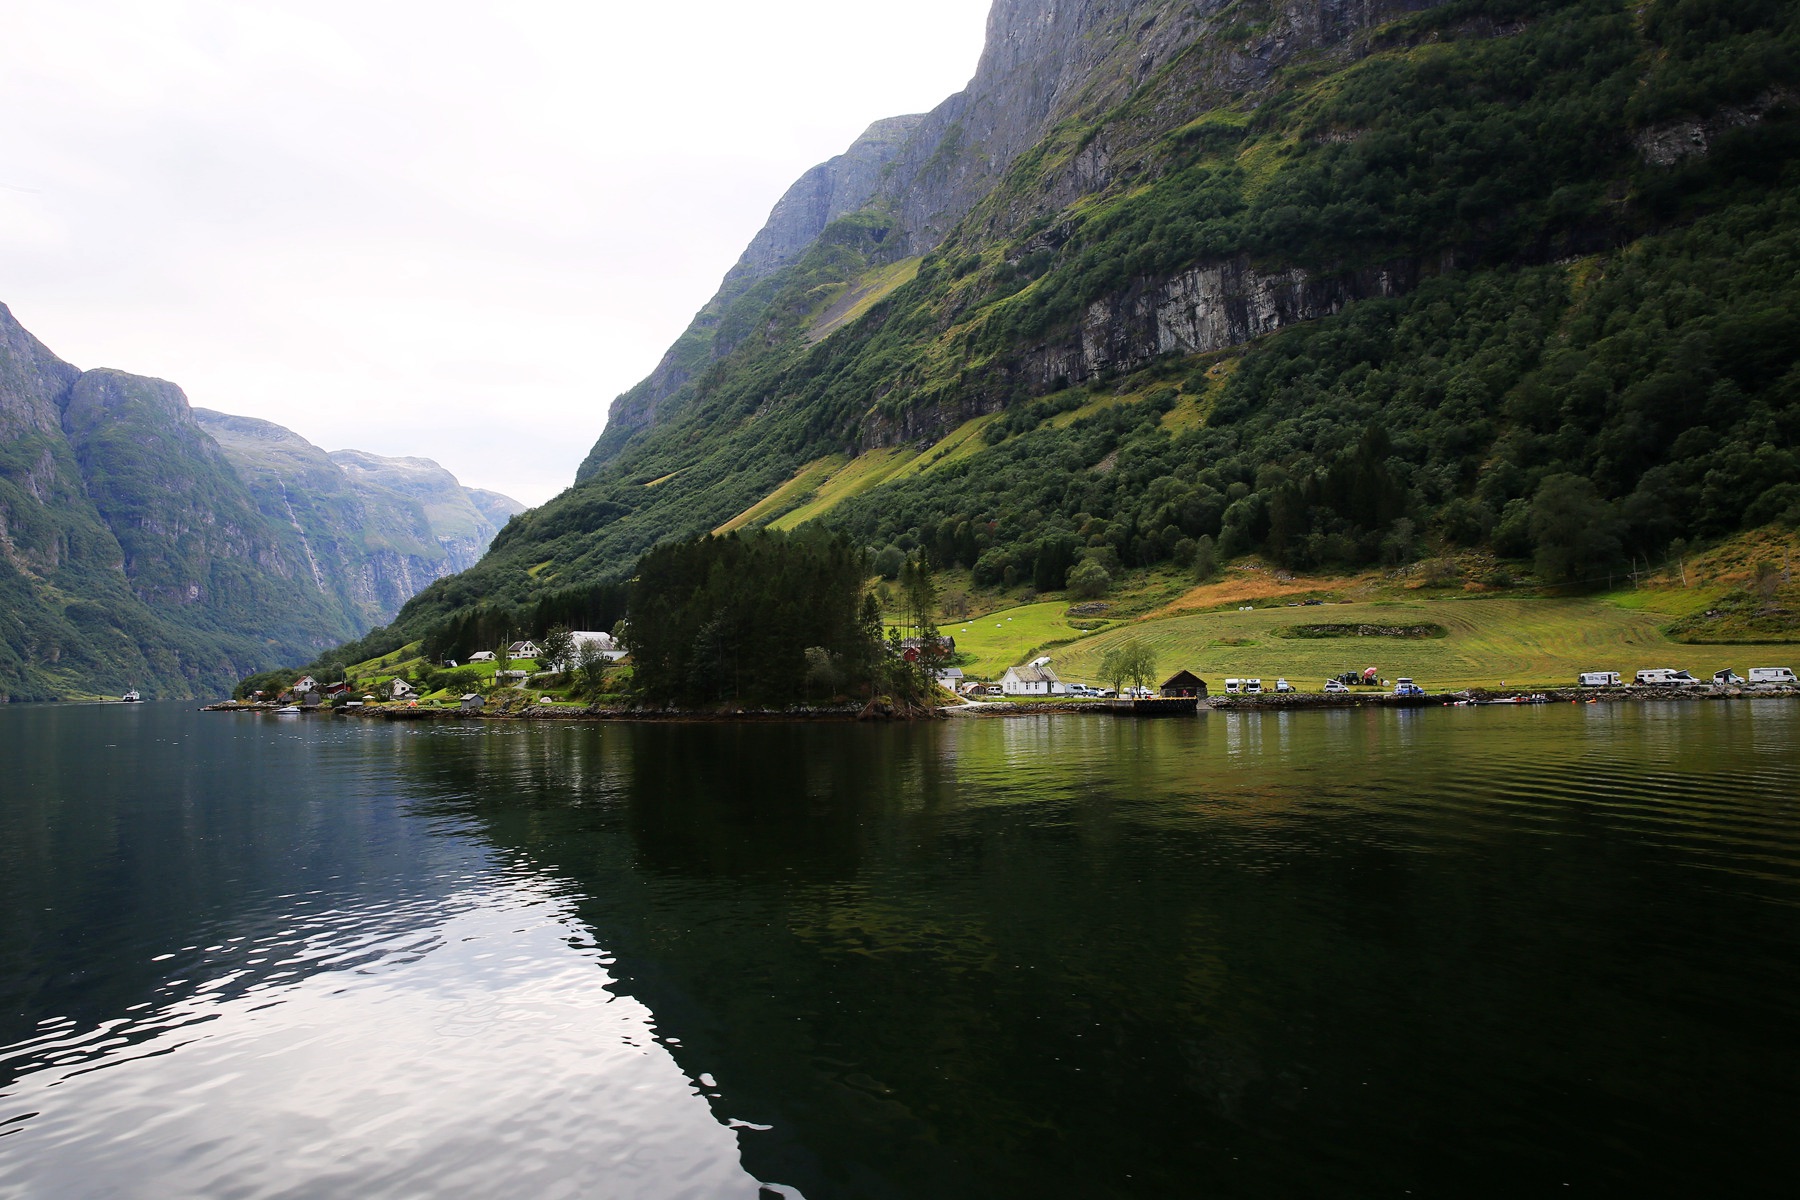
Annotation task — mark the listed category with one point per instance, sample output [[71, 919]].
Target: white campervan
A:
[[1252, 687], [1666, 677], [1597, 679], [1234, 687], [1772, 675]]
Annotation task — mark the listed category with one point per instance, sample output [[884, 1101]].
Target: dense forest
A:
[[1511, 274]]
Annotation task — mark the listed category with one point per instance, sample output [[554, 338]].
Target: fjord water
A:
[[1449, 951]]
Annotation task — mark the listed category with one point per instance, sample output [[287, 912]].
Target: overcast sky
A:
[[430, 227]]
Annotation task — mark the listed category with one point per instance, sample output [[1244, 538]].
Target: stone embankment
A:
[[1285, 701]]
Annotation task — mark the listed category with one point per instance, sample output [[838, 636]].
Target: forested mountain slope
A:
[[146, 544], [1329, 281]]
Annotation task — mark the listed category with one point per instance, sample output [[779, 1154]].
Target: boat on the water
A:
[[130, 697], [288, 708]]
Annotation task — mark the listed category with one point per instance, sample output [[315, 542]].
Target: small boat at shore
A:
[[288, 708], [130, 697]]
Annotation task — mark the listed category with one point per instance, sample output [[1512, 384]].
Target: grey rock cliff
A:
[[370, 530]]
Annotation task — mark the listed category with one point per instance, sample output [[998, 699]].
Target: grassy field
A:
[[1001, 639], [1521, 642], [1534, 642]]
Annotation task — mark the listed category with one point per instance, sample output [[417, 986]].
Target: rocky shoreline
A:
[[1286, 701]]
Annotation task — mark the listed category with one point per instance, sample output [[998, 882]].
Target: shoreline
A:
[[1471, 697]]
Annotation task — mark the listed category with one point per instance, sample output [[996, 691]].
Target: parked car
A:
[[1406, 687], [1727, 678], [1597, 679], [1772, 675], [1282, 685], [1335, 687]]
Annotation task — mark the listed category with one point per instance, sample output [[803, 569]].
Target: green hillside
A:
[[1515, 274]]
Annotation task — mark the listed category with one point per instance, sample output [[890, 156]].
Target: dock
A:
[[1155, 706]]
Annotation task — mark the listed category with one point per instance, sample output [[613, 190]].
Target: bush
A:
[[1090, 580]]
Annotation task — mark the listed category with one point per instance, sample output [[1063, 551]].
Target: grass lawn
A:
[[1002, 639], [1530, 642]]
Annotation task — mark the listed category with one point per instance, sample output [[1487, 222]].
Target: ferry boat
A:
[[130, 697]]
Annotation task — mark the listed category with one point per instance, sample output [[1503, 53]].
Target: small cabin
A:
[[1183, 684], [472, 702], [482, 656]]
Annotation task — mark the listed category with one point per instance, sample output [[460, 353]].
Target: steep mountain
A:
[[1335, 281], [147, 544], [371, 530]]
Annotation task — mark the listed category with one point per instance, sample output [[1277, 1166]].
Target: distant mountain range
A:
[[147, 544]]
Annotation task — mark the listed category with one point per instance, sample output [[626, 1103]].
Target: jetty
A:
[[1153, 706]]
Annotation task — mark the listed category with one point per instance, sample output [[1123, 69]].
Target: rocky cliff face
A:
[[372, 531], [1196, 312], [421, 523]]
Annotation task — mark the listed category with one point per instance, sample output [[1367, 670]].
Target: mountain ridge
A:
[[144, 543]]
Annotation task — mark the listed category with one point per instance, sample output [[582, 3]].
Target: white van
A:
[[1597, 679], [1234, 687], [1772, 675], [1252, 687]]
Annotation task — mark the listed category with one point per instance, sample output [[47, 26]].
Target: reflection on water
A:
[[476, 1054], [1456, 951]]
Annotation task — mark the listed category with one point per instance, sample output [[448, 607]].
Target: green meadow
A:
[[1521, 642]]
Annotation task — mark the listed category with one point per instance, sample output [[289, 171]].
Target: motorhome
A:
[[1597, 679], [1727, 678], [1772, 675], [1252, 687], [1665, 677], [1234, 687]]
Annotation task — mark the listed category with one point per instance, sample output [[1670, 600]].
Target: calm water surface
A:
[[1443, 952]]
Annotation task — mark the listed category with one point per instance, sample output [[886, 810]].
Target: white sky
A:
[[449, 228]]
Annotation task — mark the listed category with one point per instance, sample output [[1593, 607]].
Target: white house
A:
[[1037, 679], [305, 684], [523, 650], [482, 656], [399, 689], [950, 677], [606, 643]]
